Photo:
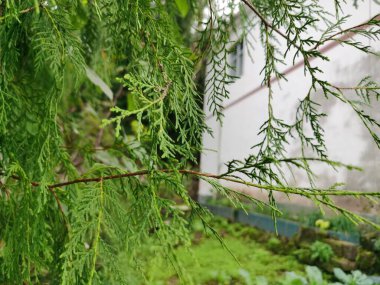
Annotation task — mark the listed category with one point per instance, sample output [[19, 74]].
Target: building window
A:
[[236, 59]]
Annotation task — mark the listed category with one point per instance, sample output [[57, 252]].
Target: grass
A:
[[209, 263]]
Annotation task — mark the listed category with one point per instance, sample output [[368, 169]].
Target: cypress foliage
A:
[[91, 174]]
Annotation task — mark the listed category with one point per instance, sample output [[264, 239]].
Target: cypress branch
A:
[[121, 164]]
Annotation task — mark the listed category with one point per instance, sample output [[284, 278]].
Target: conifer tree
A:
[[101, 119]]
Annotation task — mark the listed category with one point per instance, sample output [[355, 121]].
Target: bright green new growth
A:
[[76, 198]]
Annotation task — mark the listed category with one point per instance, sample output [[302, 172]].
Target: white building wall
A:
[[346, 138]]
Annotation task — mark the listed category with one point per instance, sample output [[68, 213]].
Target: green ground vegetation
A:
[[208, 261], [240, 259]]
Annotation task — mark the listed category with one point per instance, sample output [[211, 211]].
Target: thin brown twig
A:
[[346, 32], [88, 149], [6, 191], [289, 190], [355, 88], [167, 80], [27, 10], [353, 29], [211, 25], [166, 89], [269, 24], [58, 203]]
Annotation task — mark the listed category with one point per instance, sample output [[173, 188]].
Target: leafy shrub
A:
[[245, 276], [313, 277], [302, 254], [343, 224], [261, 280], [322, 224], [273, 243], [312, 218], [241, 277], [376, 245], [321, 252], [250, 232], [355, 278], [221, 277]]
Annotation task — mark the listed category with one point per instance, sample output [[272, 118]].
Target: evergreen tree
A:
[[92, 173]]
